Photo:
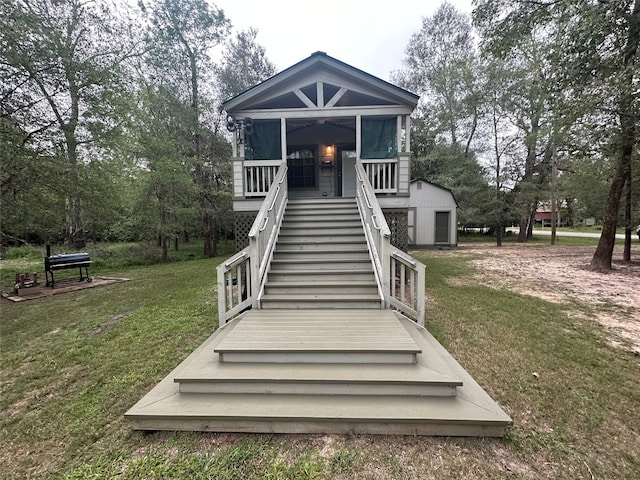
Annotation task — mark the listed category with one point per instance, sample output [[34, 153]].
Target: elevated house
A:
[[321, 311], [320, 116]]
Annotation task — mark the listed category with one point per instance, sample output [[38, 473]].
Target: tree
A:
[[182, 34], [60, 61], [244, 64], [440, 66], [165, 206], [594, 46]]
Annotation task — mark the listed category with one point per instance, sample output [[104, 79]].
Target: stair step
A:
[[322, 379], [322, 211], [326, 238], [292, 301], [326, 224], [322, 201], [347, 249], [310, 275], [320, 263], [321, 255], [322, 230], [326, 287], [320, 336]]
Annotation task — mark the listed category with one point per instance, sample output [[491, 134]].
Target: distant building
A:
[[432, 215]]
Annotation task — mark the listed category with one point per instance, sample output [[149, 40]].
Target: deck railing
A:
[[382, 174], [400, 277], [234, 286], [241, 278], [264, 232]]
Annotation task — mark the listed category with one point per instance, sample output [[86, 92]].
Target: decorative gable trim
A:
[[337, 84]]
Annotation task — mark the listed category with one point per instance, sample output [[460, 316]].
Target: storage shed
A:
[[432, 215]]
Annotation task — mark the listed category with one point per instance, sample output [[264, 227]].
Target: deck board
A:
[[339, 331]]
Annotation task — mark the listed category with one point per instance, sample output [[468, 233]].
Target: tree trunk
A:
[[74, 217], [626, 256], [604, 252], [165, 249], [207, 230]]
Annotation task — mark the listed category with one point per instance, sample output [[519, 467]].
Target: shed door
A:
[[442, 227]]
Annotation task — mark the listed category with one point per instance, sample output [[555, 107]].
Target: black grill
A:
[[64, 262]]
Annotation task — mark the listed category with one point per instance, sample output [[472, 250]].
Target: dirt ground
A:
[[561, 274]]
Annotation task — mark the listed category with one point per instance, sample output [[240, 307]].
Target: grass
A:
[[73, 364]]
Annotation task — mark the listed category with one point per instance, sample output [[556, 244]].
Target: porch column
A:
[[283, 138], [358, 136], [399, 134], [407, 135]]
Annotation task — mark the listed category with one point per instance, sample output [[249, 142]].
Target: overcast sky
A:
[[368, 34]]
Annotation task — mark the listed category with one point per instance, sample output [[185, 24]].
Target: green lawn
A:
[[73, 364]]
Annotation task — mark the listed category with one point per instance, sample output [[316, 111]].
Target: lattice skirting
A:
[[243, 223], [398, 221]]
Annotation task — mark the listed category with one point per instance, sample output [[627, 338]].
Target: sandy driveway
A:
[[559, 274]]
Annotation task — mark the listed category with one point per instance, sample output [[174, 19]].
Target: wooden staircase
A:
[[321, 259], [321, 355]]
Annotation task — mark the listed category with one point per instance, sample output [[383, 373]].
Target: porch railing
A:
[[400, 277], [241, 278], [382, 174], [258, 176], [264, 232]]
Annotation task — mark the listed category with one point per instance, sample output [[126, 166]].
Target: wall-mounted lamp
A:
[[328, 150]]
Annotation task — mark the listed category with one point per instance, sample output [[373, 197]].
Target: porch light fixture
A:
[[328, 150]]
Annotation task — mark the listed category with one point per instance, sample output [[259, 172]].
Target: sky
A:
[[367, 34]]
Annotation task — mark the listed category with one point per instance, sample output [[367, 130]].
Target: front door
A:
[[347, 173]]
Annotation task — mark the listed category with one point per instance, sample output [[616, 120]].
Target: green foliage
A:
[[63, 64], [244, 64]]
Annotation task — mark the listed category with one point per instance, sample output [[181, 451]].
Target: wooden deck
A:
[[323, 336], [321, 355], [432, 396]]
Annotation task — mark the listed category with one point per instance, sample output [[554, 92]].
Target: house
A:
[[544, 215], [432, 219], [321, 311], [319, 116]]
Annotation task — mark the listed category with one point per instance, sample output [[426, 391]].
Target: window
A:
[[301, 161], [265, 142], [379, 139]]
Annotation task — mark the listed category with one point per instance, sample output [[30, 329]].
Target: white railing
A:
[[234, 286], [400, 277], [241, 278], [264, 232], [258, 176], [382, 174]]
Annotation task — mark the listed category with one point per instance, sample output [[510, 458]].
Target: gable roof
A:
[[295, 87], [420, 179]]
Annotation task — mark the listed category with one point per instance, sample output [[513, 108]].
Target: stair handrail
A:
[[264, 232], [399, 276]]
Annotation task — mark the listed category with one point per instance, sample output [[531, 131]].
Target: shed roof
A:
[[420, 179]]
